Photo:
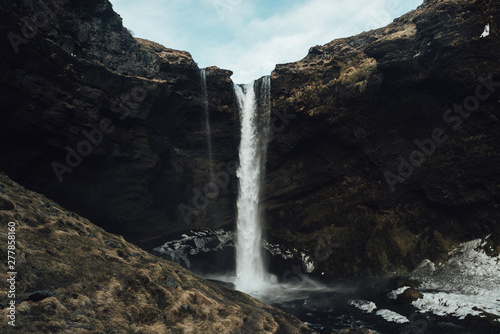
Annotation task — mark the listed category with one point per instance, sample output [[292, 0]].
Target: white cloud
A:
[[230, 34]]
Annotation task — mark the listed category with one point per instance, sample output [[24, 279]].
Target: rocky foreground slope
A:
[[73, 277]]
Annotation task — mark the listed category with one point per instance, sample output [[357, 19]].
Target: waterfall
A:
[[204, 94], [254, 105]]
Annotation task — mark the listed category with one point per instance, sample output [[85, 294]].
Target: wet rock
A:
[[409, 295]]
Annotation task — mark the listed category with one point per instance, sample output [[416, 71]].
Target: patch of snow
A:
[[394, 294], [392, 316], [201, 244], [424, 269], [180, 250], [467, 283], [224, 238], [277, 250], [458, 305], [363, 305], [486, 31], [308, 263]]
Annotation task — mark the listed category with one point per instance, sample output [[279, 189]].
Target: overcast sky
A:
[[250, 37]]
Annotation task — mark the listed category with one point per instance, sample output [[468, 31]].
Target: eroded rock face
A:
[[109, 125], [369, 105]]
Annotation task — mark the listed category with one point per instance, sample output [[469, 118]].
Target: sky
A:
[[249, 37]]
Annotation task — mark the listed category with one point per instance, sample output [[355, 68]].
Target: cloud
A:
[[245, 37], [287, 36]]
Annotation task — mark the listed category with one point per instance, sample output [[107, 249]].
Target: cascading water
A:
[[251, 276], [204, 94]]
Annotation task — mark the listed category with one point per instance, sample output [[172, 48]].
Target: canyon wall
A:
[[384, 150]]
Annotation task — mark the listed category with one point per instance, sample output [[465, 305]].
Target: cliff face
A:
[[384, 150], [74, 277], [109, 125], [389, 152]]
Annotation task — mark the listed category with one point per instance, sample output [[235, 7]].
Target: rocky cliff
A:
[[384, 149], [108, 125], [389, 152]]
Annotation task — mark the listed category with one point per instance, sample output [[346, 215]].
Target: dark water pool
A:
[[327, 310], [330, 311]]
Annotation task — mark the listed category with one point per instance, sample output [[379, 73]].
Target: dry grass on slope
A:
[[73, 277]]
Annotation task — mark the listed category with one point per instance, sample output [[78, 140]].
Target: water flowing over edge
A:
[[206, 118], [254, 104]]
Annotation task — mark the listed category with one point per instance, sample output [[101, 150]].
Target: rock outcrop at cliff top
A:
[[373, 171], [73, 277], [108, 125]]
